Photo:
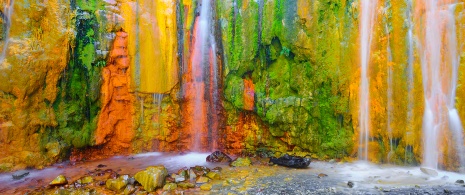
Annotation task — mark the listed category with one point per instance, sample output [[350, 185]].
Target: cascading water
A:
[[203, 58], [7, 11], [389, 93], [439, 60], [367, 17]]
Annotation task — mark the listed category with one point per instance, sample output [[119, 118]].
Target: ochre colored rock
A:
[[202, 180], [152, 177], [60, 180], [170, 186], [206, 187], [117, 184], [249, 94], [213, 175], [116, 116]]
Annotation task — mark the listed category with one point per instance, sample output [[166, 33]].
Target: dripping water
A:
[[410, 60], [367, 18], [7, 12]]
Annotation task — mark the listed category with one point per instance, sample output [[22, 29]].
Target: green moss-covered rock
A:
[[213, 175], [152, 177], [242, 162]]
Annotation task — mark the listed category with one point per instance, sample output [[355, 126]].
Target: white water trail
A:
[[367, 17], [8, 10], [199, 59], [440, 62]]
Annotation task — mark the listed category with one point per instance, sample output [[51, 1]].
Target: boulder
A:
[[152, 177], [291, 161], [218, 156], [241, 162], [60, 180]]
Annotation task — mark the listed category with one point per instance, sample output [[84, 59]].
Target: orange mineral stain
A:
[[114, 131]]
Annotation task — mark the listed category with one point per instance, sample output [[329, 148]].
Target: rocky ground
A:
[[139, 175]]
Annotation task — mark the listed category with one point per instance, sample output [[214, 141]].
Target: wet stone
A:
[[459, 181], [218, 156], [20, 174], [117, 184], [152, 177], [321, 175], [213, 175], [170, 186], [186, 185], [202, 180], [60, 180], [241, 162], [350, 184], [206, 187], [291, 161]]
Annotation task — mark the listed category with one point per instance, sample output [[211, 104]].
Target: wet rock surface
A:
[[291, 161], [218, 156], [20, 174]]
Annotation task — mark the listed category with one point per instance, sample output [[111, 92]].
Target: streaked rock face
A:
[[288, 79]]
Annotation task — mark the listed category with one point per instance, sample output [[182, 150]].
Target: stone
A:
[[130, 189], [192, 175], [213, 175], [459, 181], [291, 161], [170, 186], [202, 180], [241, 162], [186, 185], [117, 184], [218, 156], [350, 184], [206, 187], [322, 175], [58, 181], [429, 171], [20, 174], [152, 177], [178, 178], [86, 180]]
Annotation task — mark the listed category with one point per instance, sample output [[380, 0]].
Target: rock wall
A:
[[288, 79]]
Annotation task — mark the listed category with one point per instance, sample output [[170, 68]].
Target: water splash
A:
[[367, 17], [8, 11], [439, 63]]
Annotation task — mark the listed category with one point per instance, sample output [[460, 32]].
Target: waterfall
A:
[[367, 20], [439, 61], [389, 93], [8, 11], [203, 58]]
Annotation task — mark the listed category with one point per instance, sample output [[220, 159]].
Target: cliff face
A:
[[105, 77]]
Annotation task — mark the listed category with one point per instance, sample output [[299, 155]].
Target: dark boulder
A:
[[291, 161], [218, 156]]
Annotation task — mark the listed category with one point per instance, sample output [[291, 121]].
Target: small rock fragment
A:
[[429, 171], [202, 180], [20, 174], [85, 180], [60, 180], [117, 184], [322, 175], [186, 185], [459, 181], [170, 186], [206, 187], [350, 184], [213, 175]]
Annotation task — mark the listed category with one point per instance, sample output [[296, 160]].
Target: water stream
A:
[[439, 61], [367, 17]]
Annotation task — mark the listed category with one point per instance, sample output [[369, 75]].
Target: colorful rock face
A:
[[101, 78]]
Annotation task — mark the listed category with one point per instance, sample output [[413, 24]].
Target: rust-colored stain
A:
[[249, 92], [114, 131]]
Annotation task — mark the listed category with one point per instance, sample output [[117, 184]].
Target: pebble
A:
[[350, 184]]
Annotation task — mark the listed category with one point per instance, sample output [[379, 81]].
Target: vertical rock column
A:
[[115, 121]]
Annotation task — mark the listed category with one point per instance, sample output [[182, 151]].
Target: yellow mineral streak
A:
[[152, 44]]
